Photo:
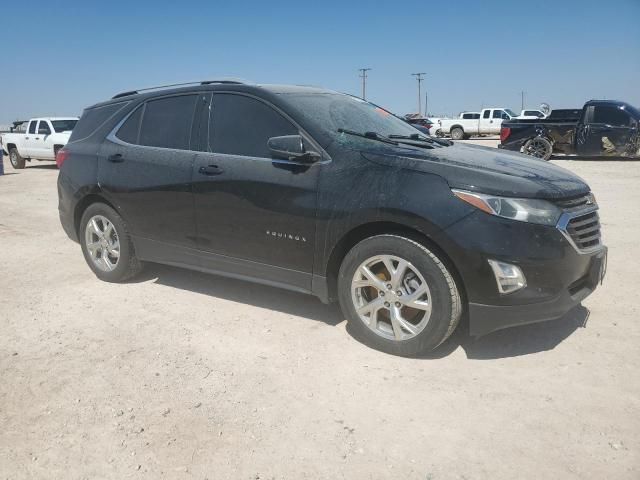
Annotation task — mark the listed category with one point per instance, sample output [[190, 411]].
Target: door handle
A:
[[116, 158], [37, 138], [210, 170]]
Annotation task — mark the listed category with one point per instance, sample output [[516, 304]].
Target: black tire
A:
[[445, 299], [16, 159], [128, 264], [538, 147], [457, 133]]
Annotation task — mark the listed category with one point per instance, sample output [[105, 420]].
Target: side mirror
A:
[[292, 148]]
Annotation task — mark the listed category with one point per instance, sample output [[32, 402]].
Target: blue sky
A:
[[62, 56]]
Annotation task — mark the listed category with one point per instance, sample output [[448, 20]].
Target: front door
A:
[[250, 205], [145, 170], [605, 130], [42, 145]]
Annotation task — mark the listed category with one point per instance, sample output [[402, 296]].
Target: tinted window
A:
[[242, 125], [129, 130], [63, 125], [43, 128], [467, 115], [32, 127], [92, 118], [167, 122], [611, 116], [498, 114], [486, 114]]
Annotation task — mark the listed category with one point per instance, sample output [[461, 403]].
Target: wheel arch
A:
[[83, 204], [457, 125], [371, 229]]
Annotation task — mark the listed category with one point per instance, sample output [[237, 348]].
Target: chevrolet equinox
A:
[[324, 193]]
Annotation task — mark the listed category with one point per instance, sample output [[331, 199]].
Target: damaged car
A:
[[604, 128], [323, 193]]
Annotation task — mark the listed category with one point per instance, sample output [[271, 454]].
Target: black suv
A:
[[324, 193]]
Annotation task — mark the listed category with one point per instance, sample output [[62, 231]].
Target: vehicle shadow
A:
[[512, 342], [43, 166]]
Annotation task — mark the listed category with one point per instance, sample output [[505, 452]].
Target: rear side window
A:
[[32, 126], [611, 116], [130, 129], [43, 128], [240, 125], [166, 122], [92, 119], [486, 114]]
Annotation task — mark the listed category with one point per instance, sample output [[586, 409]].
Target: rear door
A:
[[605, 130], [249, 205], [30, 146], [485, 122], [145, 169]]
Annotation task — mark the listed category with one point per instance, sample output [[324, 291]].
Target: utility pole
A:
[[522, 99], [363, 76], [419, 79]]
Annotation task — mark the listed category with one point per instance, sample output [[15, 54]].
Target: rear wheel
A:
[[398, 296], [538, 147], [107, 245], [457, 133], [16, 159]]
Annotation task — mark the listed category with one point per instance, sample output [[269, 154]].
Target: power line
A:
[[419, 78], [363, 76]]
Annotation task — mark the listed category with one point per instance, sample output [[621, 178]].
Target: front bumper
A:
[[558, 276], [485, 319]]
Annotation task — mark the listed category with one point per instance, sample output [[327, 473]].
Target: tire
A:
[[16, 159], [417, 330], [457, 133], [99, 253], [439, 133], [538, 147]]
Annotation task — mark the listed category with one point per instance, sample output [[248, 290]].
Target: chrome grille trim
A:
[[581, 228]]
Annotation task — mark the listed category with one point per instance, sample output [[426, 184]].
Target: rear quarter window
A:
[[93, 118]]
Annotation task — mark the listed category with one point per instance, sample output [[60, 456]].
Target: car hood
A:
[[486, 170]]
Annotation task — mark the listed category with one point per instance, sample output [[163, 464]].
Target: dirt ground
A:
[[184, 375]]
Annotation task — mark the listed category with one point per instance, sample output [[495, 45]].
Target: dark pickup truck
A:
[[604, 128]]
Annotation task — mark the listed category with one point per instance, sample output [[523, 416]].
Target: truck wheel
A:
[[397, 295], [16, 160], [457, 133], [107, 245], [538, 147]]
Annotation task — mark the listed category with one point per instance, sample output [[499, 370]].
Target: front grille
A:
[[576, 203], [584, 230]]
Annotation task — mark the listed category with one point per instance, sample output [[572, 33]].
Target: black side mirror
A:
[[291, 147]]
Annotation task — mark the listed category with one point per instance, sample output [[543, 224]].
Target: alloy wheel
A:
[[537, 148], [102, 242], [391, 297]]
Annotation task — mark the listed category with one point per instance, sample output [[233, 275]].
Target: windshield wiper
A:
[[421, 138], [369, 135]]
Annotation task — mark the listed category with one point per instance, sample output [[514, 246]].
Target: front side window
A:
[[166, 122], [241, 125], [486, 114], [32, 126], [498, 114], [43, 128], [611, 116]]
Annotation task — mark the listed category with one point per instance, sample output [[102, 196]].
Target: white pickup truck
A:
[[41, 141], [488, 123]]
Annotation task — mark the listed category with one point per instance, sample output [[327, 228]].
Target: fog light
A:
[[509, 277]]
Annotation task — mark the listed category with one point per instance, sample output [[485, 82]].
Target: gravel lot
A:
[[184, 375]]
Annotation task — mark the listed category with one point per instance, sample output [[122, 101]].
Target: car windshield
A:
[[511, 113], [63, 125], [337, 111]]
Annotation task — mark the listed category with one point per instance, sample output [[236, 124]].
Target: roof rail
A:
[[205, 82]]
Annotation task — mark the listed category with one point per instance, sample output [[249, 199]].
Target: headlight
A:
[[522, 209]]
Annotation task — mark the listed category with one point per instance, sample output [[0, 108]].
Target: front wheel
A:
[[16, 159], [398, 296], [538, 147], [107, 245]]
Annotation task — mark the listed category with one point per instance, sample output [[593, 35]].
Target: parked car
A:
[[327, 194], [488, 123], [531, 114], [421, 123], [604, 128], [41, 140]]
